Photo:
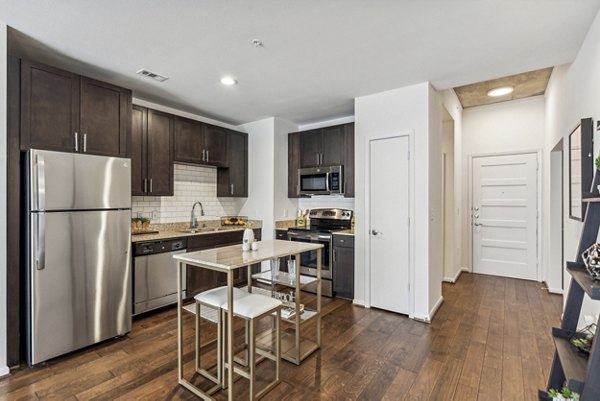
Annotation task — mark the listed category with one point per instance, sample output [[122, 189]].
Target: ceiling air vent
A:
[[153, 75]]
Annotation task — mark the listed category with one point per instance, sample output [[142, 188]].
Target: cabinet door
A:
[[333, 141], [343, 272], [310, 148], [105, 118], [349, 162], [160, 155], [189, 141], [215, 144], [293, 164], [49, 108], [139, 122]]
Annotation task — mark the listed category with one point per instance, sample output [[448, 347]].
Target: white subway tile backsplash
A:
[[192, 183]]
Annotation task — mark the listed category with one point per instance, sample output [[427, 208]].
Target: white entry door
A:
[[504, 219], [389, 229]]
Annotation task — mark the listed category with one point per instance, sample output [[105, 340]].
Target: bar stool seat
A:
[[251, 308], [213, 299]]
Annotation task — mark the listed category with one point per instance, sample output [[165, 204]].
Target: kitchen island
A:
[[228, 260]]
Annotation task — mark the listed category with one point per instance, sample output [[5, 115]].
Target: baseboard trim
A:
[[4, 371], [359, 302], [557, 291], [454, 279], [428, 318]]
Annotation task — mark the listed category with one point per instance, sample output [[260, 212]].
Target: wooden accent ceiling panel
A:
[[527, 84]]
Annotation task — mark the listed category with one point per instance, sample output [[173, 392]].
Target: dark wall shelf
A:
[[570, 367]]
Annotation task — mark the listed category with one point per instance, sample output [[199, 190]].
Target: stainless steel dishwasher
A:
[[155, 274]]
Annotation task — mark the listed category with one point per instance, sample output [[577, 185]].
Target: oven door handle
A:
[[304, 236]]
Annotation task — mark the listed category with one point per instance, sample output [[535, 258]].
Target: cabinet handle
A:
[[76, 142], [84, 143], [145, 185], [207, 155], [150, 185], [203, 155], [231, 189], [334, 255], [318, 159]]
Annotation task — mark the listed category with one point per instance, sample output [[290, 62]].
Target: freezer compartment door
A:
[[72, 181], [81, 293]]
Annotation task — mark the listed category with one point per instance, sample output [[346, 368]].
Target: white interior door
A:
[[389, 229], [505, 216]]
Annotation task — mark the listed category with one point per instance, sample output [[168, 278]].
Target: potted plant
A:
[[563, 395]]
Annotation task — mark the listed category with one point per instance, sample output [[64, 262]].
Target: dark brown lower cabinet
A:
[[343, 266], [199, 280]]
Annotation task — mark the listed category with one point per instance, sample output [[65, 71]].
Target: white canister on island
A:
[[248, 238]]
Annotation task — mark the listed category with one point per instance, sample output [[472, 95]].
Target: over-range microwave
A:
[[321, 181]]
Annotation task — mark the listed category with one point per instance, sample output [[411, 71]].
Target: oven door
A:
[[308, 260]]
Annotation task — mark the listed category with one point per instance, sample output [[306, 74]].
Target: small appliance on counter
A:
[[323, 222]]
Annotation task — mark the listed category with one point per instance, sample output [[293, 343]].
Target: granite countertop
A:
[[174, 230], [307, 228], [232, 257], [344, 232]]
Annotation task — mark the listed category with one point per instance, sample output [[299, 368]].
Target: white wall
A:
[[261, 174], [572, 94], [454, 108], [284, 207], [395, 112], [436, 212], [3, 183], [513, 126], [450, 266]]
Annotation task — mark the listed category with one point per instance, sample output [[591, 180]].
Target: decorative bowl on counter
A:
[[233, 221]]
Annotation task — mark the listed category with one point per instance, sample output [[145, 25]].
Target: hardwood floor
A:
[[489, 341]]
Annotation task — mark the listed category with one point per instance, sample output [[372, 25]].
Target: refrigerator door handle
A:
[[40, 258], [41, 182]]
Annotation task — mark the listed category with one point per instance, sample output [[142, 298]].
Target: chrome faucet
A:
[[193, 222]]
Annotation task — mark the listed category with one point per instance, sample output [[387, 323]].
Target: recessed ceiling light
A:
[[228, 81], [505, 90]]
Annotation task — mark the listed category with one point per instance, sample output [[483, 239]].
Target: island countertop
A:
[[232, 257]]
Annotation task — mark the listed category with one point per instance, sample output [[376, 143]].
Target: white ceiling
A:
[[318, 55]]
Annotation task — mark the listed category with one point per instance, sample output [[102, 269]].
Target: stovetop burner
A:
[[327, 221]]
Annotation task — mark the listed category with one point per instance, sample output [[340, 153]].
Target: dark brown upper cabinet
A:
[[323, 147], [233, 181], [66, 112], [152, 153], [105, 118], [293, 164], [215, 144], [329, 146], [200, 143]]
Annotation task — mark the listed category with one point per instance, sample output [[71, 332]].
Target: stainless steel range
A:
[[323, 222]]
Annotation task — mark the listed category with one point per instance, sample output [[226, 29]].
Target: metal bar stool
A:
[[251, 308], [213, 299]]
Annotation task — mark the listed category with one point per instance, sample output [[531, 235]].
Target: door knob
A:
[[375, 232]]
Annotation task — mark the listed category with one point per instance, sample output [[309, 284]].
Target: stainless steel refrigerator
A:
[[79, 240]]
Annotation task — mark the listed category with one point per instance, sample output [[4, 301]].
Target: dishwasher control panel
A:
[[153, 247]]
